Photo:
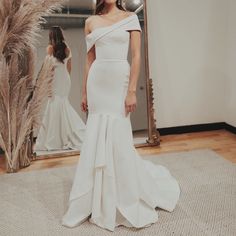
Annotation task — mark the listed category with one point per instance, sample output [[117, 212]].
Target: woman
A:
[[113, 185], [62, 128]]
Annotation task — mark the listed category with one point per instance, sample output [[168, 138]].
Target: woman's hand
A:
[[84, 105], [130, 102]]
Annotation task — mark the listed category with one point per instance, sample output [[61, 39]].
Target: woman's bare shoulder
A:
[[49, 49], [91, 19], [89, 22]]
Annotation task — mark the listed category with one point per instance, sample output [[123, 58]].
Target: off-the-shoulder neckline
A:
[[102, 27]]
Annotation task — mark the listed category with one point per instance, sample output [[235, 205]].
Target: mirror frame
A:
[[153, 133], [153, 138]]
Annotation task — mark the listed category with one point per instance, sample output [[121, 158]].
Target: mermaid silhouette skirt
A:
[[113, 185]]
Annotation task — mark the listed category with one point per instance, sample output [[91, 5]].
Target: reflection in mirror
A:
[[62, 128], [63, 122]]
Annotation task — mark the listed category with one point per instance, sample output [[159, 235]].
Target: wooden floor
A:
[[220, 141]]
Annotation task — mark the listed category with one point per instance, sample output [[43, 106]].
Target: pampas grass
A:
[[21, 95]]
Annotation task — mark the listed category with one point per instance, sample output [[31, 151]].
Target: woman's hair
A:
[[101, 4], [57, 40]]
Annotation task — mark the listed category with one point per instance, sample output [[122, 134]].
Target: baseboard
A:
[[197, 128], [230, 128]]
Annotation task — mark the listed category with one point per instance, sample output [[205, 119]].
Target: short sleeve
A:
[[134, 24]]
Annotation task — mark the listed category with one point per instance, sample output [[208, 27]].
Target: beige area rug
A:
[[33, 203]]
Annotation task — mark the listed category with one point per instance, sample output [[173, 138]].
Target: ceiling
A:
[[76, 11], [81, 4], [88, 5]]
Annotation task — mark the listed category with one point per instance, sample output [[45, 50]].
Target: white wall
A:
[[230, 114], [187, 47]]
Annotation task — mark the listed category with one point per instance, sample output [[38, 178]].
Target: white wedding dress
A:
[[113, 185], [62, 128]]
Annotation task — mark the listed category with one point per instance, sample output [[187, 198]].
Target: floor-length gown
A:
[[61, 128], [113, 185]]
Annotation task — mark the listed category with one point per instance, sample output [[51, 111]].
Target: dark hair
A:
[[101, 4], [56, 39]]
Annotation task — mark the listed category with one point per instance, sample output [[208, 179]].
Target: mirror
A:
[[62, 113]]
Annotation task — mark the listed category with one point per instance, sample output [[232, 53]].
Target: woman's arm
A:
[[69, 66], [69, 63], [90, 57], [135, 43]]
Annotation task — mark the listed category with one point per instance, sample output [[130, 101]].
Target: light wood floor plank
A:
[[220, 141]]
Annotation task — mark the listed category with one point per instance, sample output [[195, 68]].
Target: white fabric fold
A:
[[119, 180], [128, 24]]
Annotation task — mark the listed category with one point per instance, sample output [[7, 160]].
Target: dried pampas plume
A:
[[21, 95], [20, 22]]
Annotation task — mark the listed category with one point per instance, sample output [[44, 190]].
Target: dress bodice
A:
[[112, 42]]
